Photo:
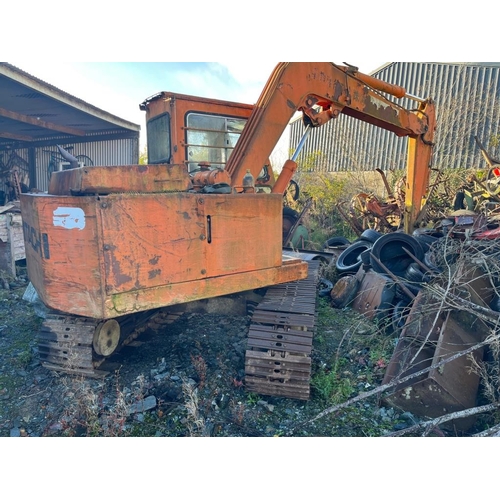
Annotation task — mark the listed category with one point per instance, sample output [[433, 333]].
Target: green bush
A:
[[330, 385], [326, 191]]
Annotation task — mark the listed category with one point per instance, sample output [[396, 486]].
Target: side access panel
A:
[[151, 240]]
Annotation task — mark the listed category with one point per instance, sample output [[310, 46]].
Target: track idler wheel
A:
[[106, 337]]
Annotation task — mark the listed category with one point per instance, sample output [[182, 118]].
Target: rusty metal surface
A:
[[278, 374], [67, 342], [374, 295], [277, 360], [428, 338], [101, 257], [120, 179]]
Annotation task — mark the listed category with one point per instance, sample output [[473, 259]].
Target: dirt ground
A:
[[187, 378], [181, 379]]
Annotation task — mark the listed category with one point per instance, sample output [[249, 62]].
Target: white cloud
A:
[[249, 72]]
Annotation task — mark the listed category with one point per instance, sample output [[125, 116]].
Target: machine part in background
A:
[[344, 291], [299, 238], [368, 212], [294, 233]]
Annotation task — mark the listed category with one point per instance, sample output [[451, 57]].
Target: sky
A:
[[119, 87], [115, 58]]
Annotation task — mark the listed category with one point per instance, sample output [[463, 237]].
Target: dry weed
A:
[[195, 421]]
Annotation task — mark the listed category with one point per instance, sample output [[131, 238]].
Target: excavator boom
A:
[[322, 91]]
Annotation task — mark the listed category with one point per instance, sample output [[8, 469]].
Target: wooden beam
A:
[[40, 123], [16, 137]]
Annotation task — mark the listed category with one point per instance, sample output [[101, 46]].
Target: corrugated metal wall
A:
[[104, 153], [467, 97]]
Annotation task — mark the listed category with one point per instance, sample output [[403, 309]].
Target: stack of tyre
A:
[[394, 256]]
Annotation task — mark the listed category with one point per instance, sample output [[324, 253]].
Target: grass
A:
[[330, 385], [350, 356], [17, 349]]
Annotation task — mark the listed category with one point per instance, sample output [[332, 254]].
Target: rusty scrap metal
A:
[[354, 223], [396, 381], [373, 213], [374, 295], [368, 211], [386, 184], [440, 391]]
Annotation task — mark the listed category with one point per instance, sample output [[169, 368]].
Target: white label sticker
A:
[[69, 217]]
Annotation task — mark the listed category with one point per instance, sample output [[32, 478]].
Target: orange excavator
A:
[[203, 218]]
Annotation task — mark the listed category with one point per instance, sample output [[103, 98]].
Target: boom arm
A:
[[322, 91]]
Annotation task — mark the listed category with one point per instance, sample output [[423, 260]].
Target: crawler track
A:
[[65, 342], [278, 358]]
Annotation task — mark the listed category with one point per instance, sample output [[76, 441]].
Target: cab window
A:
[[158, 139], [211, 138]]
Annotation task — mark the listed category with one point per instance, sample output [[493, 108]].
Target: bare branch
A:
[[431, 424], [492, 432]]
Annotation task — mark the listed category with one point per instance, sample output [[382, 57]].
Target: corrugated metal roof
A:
[[34, 112]]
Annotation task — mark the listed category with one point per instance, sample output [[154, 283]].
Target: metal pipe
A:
[[301, 143], [380, 85], [285, 176], [386, 87], [415, 98], [290, 166], [73, 161]]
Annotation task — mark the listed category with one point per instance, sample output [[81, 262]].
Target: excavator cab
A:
[[197, 132]]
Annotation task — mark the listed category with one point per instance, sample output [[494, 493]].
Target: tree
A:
[[143, 156]]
